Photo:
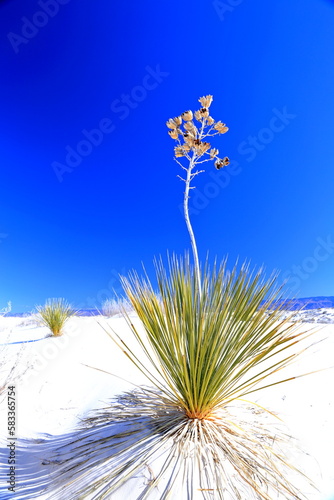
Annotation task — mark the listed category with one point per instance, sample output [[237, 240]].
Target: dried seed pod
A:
[[188, 137], [187, 115], [173, 133], [206, 101], [198, 116], [213, 152], [189, 126], [204, 112], [220, 127], [205, 146], [202, 147], [222, 162], [178, 151], [210, 120], [171, 124], [178, 120]]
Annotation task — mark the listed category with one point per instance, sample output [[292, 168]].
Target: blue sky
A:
[[88, 181]]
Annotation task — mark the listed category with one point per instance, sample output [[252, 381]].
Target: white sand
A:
[[58, 388]]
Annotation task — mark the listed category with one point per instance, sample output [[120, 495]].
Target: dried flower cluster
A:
[[191, 130], [191, 137]]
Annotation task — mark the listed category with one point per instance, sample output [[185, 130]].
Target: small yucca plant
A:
[[54, 315]]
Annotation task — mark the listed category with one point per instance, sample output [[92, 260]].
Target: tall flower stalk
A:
[[193, 146]]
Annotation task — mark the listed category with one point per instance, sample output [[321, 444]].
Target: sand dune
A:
[[58, 389]]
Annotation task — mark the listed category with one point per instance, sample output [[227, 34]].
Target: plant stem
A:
[[190, 229]]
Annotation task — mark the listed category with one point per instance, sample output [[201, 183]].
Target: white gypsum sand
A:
[[59, 390]]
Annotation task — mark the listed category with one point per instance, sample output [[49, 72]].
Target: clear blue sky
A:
[[74, 214]]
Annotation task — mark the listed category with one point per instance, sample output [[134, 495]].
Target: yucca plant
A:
[[192, 434], [211, 342], [208, 338], [210, 347], [54, 314]]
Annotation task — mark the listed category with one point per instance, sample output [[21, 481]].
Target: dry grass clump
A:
[[54, 314]]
